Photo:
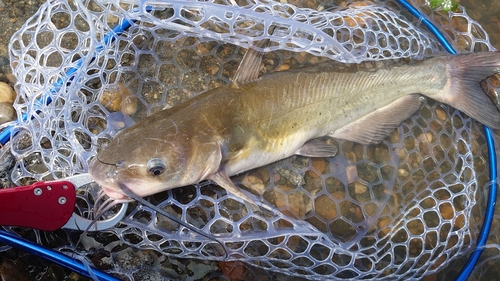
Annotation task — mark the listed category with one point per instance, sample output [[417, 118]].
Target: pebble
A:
[[382, 223], [446, 211], [202, 48], [338, 194], [351, 173], [199, 269], [7, 97], [429, 137], [254, 183], [263, 174], [7, 112], [4, 60], [257, 180], [12, 271], [7, 94], [403, 173], [119, 99], [12, 79], [402, 154], [313, 182], [492, 86], [291, 174], [292, 202], [234, 270], [360, 188], [495, 80], [440, 114], [318, 164], [326, 208]]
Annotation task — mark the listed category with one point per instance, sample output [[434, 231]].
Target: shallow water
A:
[[14, 14]]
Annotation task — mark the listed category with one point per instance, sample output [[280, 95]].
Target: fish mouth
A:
[[113, 183], [104, 176], [114, 194]]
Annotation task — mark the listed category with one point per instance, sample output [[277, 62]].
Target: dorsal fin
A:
[[248, 70]]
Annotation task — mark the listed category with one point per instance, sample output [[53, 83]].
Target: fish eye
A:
[[156, 167]]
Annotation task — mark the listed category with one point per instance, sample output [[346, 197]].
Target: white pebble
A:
[[7, 112], [7, 94]]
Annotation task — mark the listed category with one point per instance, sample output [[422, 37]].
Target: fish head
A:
[[150, 161]]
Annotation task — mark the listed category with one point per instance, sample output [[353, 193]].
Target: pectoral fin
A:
[[225, 182], [376, 126], [317, 148]]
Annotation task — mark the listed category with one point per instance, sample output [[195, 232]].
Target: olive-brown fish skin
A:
[[233, 129]]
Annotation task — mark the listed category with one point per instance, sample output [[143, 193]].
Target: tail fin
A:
[[466, 94]]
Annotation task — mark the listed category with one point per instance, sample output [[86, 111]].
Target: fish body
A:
[[236, 128]]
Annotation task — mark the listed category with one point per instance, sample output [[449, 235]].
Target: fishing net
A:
[[398, 209]]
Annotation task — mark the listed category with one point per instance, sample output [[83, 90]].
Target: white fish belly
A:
[[254, 156]]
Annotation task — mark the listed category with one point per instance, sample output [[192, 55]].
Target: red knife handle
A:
[[43, 205]]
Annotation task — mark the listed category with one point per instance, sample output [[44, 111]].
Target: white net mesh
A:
[[401, 208]]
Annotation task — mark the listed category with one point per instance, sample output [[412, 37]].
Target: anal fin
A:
[[376, 126], [317, 148]]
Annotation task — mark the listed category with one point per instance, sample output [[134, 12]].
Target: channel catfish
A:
[[257, 121]]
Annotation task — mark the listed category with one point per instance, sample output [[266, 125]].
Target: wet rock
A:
[[7, 112], [254, 183], [119, 99], [7, 94], [14, 271], [326, 208], [233, 270], [7, 97], [3, 59], [319, 164]]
